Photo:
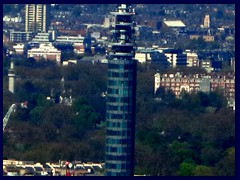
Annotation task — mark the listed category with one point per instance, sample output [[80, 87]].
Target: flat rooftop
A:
[[176, 23]]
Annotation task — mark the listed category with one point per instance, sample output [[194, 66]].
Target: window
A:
[[113, 149], [113, 91], [112, 108], [116, 83], [112, 166], [116, 116], [125, 108]]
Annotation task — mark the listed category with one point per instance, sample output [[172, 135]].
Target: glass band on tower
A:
[[121, 96]]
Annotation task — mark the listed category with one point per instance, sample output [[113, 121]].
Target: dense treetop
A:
[[194, 135]]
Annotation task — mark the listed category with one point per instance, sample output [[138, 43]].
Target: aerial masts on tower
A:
[[122, 33]]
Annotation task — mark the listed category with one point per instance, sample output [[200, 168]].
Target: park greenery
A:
[[189, 136]]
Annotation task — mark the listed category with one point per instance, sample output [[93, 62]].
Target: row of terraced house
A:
[[197, 82], [13, 167]]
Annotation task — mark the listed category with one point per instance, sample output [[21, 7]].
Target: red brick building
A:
[[197, 82], [46, 51]]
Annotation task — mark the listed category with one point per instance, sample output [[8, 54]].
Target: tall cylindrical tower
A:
[[11, 77], [121, 96]]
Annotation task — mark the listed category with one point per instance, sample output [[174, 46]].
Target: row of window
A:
[[118, 141], [123, 49], [118, 91], [117, 158], [118, 124], [123, 27], [180, 80], [118, 149], [177, 84], [118, 116], [124, 18], [120, 66], [119, 99], [117, 133], [118, 59], [120, 83], [118, 174], [119, 74], [177, 89], [196, 80], [118, 108], [129, 69], [117, 166]]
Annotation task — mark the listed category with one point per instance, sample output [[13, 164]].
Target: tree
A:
[[201, 170], [96, 141], [160, 92], [217, 99], [86, 117], [36, 115], [76, 11], [226, 167], [198, 44], [186, 169], [12, 9], [218, 129], [57, 117], [214, 45], [182, 151], [219, 14], [210, 155], [205, 99], [144, 86]]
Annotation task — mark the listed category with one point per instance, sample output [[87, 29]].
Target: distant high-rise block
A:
[[87, 42], [37, 17], [206, 22], [121, 96]]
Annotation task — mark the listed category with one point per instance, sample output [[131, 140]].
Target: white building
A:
[[41, 37], [206, 21], [143, 54], [20, 36], [78, 48], [157, 81], [70, 61], [70, 39], [206, 64], [19, 48], [107, 22], [192, 59], [46, 51], [11, 78], [172, 59], [174, 24], [96, 35], [16, 19], [141, 57]]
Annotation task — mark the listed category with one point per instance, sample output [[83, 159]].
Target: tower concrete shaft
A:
[[121, 96]]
